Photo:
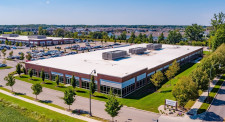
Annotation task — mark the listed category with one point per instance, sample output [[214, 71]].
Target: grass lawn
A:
[[144, 98], [7, 67], [206, 52], [212, 94], [34, 111], [8, 114]]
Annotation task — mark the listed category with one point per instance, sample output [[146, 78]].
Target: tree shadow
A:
[[218, 102], [45, 101], [103, 97], [211, 116], [35, 79], [18, 93], [61, 86], [48, 83], [23, 76], [79, 111], [80, 91], [165, 91]]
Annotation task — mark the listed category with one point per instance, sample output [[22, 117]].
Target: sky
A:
[[109, 12]]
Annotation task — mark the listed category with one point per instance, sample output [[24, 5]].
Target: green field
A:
[[30, 111], [144, 98], [8, 114], [212, 94]]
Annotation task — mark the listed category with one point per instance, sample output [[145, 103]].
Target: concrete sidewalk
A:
[[201, 99], [50, 107]]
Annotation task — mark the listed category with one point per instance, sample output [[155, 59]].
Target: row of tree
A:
[[112, 105], [187, 87]]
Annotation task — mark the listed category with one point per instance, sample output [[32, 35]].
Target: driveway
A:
[[126, 113]]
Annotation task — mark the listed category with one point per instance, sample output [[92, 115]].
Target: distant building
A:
[[39, 40]]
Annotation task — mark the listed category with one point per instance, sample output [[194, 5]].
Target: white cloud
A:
[[47, 2]]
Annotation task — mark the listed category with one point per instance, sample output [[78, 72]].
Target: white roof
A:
[[86, 62], [25, 38]]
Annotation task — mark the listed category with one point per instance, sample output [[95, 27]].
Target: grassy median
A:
[[7, 67]]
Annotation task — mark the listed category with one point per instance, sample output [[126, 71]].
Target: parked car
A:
[[3, 65]]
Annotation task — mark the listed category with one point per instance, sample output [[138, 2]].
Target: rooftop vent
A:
[[154, 46], [37, 37], [137, 50], [112, 55], [10, 35]]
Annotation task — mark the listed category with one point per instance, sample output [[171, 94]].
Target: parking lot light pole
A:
[[211, 76], [93, 71]]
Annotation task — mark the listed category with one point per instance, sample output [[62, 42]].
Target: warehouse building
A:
[[116, 68], [39, 40]]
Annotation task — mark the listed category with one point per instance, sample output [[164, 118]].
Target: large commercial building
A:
[[125, 74], [39, 40]]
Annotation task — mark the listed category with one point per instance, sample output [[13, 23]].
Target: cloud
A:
[[47, 2]]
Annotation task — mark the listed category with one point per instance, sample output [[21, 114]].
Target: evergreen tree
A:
[[18, 69], [161, 38], [73, 82]]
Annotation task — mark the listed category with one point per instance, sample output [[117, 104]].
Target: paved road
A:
[[126, 113], [217, 109]]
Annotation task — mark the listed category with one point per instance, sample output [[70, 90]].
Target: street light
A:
[[93, 71], [211, 76]]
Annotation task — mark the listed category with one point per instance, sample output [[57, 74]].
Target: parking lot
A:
[[39, 53]]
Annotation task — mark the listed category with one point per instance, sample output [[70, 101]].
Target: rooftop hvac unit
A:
[[37, 37], [154, 46], [137, 50], [112, 55]]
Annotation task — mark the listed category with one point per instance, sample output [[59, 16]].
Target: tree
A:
[[185, 90], [42, 76], [73, 82], [161, 38], [112, 106], [200, 77], [40, 30], [11, 53], [18, 69], [69, 97], [20, 44], [24, 70], [57, 80], [10, 81], [3, 52], [194, 32], [157, 79], [30, 72], [28, 56], [172, 70], [218, 20], [174, 37], [150, 38], [37, 89], [219, 37], [59, 32], [92, 85], [22, 56], [17, 44]]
